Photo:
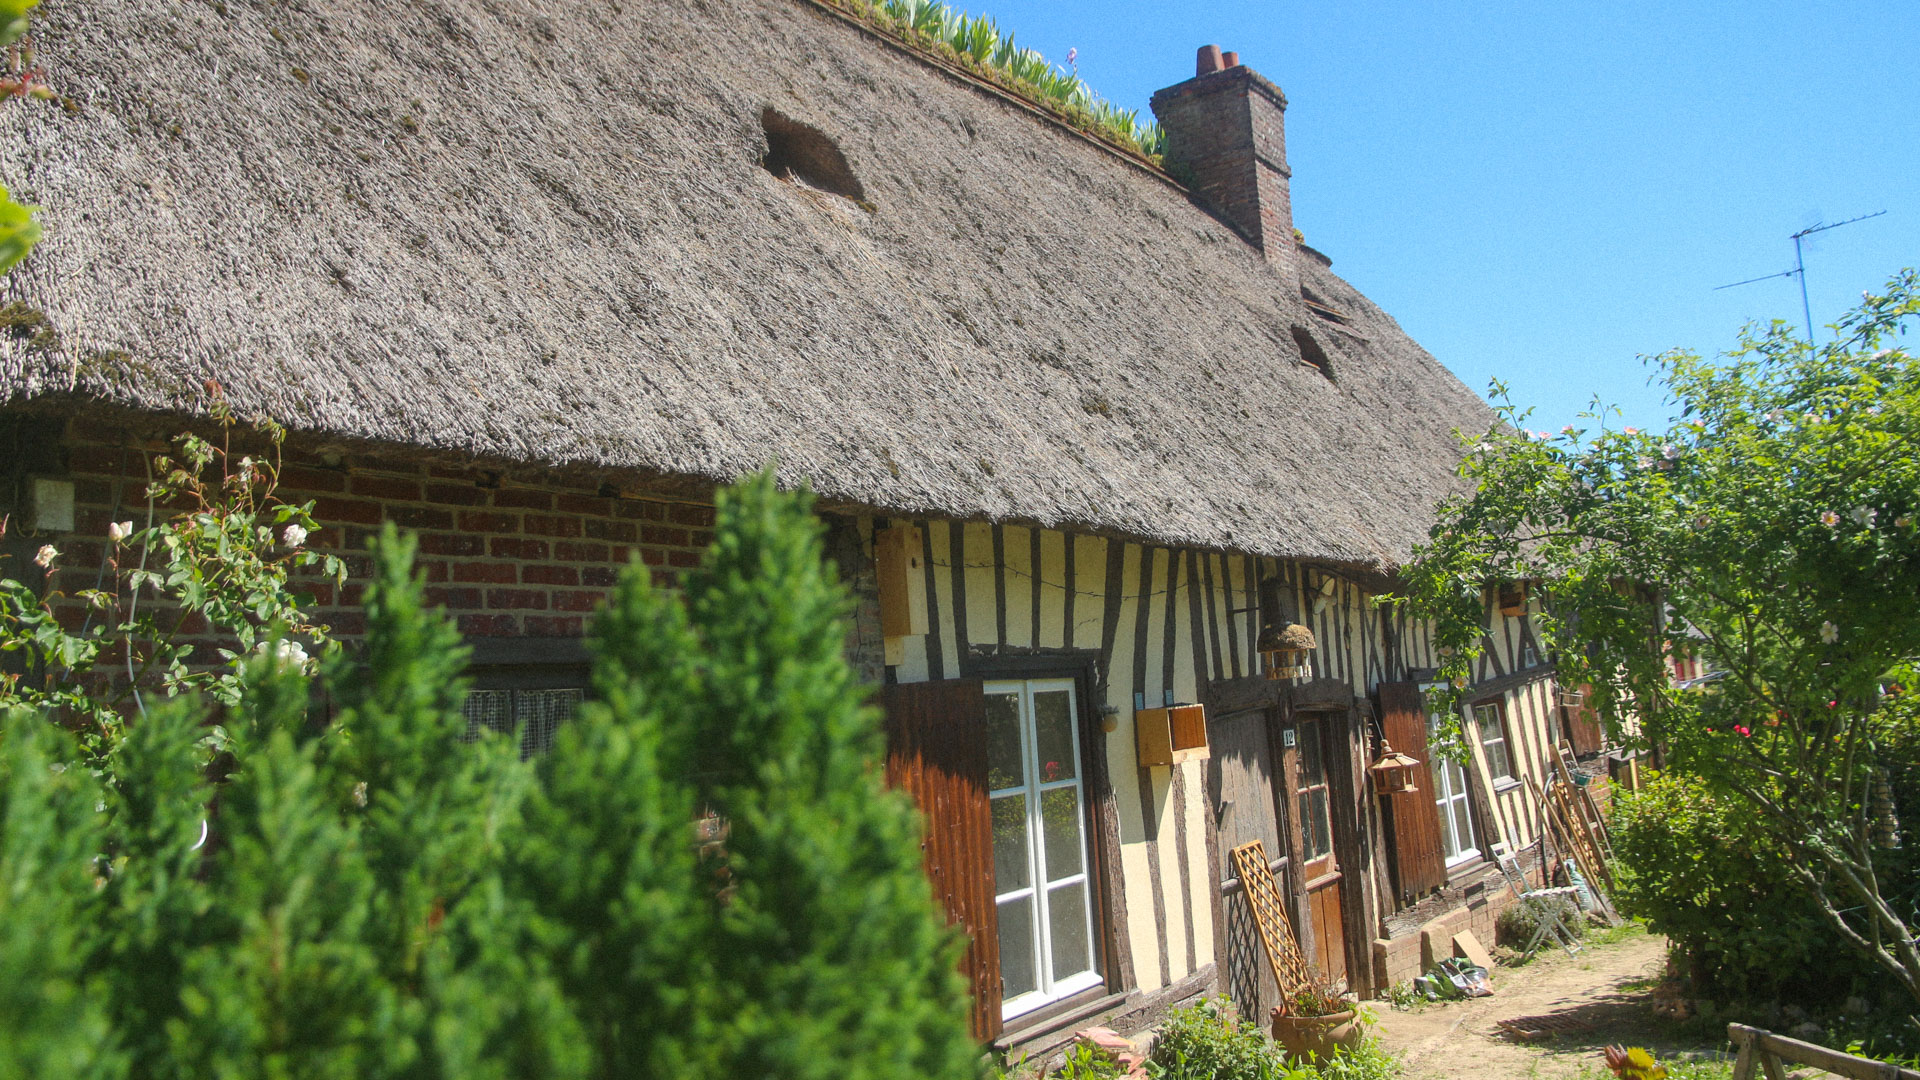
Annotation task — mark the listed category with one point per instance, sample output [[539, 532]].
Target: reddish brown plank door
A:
[[1413, 838], [937, 752], [1319, 868]]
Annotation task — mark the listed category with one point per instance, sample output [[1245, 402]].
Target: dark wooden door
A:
[[937, 752], [1240, 778], [1320, 870], [1413, 836]]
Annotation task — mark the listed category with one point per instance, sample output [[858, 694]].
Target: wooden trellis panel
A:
[[1270, 915]]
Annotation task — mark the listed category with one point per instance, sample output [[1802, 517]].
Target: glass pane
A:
[[1012, 866], [1005, 767], [1313, 822], [539, 714], [1312, 769], [1448, 842], [1462, 824], [1053, 735], [488, 710], [1060, 821], [1067, 930], [1018, 972]]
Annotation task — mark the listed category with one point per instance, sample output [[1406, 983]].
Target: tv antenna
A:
[[1800, 267]]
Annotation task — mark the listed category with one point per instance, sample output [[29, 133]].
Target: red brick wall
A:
[[507, 553]]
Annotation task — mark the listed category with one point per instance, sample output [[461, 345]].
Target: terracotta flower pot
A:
[[1316, 1035]]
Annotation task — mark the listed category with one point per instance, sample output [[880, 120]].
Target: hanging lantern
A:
[[1285, 651], [1393, 773]]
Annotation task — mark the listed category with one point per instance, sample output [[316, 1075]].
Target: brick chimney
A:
[[1225, 132]]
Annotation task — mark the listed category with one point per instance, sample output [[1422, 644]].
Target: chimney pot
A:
[[1208, 61], [1229, 60]]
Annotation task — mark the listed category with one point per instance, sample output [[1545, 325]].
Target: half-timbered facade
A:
[[530, 281]]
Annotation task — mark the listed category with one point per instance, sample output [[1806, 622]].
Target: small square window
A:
[[1493, 740]]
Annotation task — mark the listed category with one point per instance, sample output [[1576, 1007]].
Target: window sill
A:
[[1050, 1018], [1458, 873]]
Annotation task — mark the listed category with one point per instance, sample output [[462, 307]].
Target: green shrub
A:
[[1699, 871], [1210, 1041], [389, 896], [1517, 923]]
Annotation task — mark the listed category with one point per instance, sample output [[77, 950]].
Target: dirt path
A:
[[1605, 990]]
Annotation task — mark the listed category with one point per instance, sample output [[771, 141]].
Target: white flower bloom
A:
[[1670, 452], [1829, 518], [293, 536], [1864, 515], [44, 558], [119, 531], [287, 653], [1902, 521], [1644, 462], [1829, 633]]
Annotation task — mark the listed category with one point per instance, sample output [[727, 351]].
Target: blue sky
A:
[[1542, 192]]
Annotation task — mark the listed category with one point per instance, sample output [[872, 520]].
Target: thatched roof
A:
[[542, 232]]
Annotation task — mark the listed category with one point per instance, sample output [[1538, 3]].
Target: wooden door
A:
[[1241, 780], [1314, 760], [937, 752], [1413, 836]]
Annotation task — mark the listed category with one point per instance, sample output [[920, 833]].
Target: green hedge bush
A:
[[387, 895], [1699, 871]]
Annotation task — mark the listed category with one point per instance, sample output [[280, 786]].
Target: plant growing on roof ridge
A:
[[1770, 531], [227, 556], [979, 44]]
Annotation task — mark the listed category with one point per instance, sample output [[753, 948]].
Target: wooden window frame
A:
[[513, 665], [1511, 778], [1033, 789], [1111, 945], [1467, 855]]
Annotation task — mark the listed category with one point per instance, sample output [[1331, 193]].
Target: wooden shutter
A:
[[1414, 841], [937, 752]]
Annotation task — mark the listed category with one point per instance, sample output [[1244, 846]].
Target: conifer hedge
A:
[[382, 894]]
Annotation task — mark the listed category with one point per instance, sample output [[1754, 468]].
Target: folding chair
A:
[[1550, 915]]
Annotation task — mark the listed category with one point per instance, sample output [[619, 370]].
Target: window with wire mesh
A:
[[532, 717]]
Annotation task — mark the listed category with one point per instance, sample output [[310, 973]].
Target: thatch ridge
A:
[[540, 232]]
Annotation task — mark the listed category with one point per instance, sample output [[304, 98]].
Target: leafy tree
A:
[[1771, 532]]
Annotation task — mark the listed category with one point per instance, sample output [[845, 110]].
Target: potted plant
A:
[[1313, 1020]]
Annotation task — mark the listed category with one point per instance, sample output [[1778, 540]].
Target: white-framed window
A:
[[1492, 725], [1043, 891], [1450, 796]]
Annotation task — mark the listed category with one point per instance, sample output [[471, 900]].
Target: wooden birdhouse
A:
[[1285, 651]]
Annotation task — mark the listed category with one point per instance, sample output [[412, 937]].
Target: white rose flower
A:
[[1864, 515], [119, 531], [44, 558], [1829, 633], [293, 536]]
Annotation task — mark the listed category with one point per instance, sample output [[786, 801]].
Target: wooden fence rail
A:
[[1767, 1051]]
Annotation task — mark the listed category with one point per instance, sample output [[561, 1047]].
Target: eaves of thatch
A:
[[542, 233]]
